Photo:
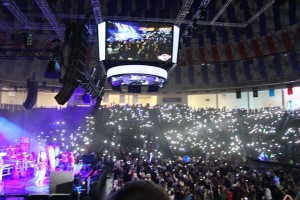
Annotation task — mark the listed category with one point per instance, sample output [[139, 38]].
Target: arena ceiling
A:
[[225, 44]]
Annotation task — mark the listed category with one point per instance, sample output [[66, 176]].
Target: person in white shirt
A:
[[268, 195]]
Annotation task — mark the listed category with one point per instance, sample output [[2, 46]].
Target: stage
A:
[[24, 185], [56, 185]]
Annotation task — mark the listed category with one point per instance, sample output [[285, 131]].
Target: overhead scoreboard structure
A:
[[137, 54]]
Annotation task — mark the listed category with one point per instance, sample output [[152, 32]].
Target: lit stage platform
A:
[[22, 186], [56, 185]]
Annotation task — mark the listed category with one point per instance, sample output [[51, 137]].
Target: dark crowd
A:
[[205, 153], [191, 153], [210, 179]]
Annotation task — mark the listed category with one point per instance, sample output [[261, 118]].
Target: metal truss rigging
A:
[[15, 10], [97, 11], [221, 11], [32, 26], [60, 28], [13, 53], [2, 26], [227, 24], [183, 11], [43, 5], [203, 4], [142, 19], [258, 13]]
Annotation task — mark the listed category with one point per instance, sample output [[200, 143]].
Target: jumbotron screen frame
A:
[[137, 80], [138, 69]]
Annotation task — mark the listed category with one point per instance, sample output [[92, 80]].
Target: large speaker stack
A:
[[32, 91], [78, 36]]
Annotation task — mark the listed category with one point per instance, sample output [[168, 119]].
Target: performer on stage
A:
[[65, 160], [20, 159], [72, 161], [41, 169]]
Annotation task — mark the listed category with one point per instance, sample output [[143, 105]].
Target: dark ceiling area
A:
[[224, 44]]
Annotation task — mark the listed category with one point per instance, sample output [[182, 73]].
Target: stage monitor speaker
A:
[[32, 91], [52, 70], [61, 182]]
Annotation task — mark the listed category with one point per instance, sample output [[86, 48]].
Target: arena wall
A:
[[208, 100]]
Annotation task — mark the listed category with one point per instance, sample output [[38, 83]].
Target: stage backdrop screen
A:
[[138, 41]]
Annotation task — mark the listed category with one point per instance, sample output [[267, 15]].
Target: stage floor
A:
[[18, 189], [24, 185]]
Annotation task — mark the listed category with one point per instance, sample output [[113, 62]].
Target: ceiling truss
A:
[[97, 11], [15, 10], [43, 5]]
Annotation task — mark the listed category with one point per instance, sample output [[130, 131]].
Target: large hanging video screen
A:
[[137, 53], [137, 79], [139, 41]]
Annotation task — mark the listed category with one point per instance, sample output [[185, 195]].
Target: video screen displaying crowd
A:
[[135, 42]]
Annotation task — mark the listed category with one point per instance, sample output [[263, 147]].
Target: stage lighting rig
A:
[[189, 33], [27, 40], [195, 24], [55, 63], [203, 13], [98, 101], [92, 85], [95, 89], [86, 98]]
